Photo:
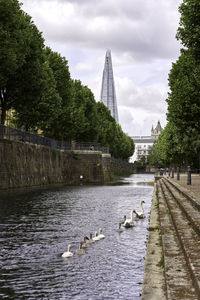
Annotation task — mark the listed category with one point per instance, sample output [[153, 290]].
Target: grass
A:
[[161, 262]]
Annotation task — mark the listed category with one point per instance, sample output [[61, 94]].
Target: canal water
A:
[[38, 225]]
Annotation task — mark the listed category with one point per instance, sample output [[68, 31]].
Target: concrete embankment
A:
[[25, 165], [172, 266]]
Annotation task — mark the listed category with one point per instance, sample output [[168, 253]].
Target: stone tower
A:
[[155, 132], [108, 95]]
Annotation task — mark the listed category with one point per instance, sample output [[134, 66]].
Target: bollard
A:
[[178, 173], [172, 172], [169, 173], [188, 176]]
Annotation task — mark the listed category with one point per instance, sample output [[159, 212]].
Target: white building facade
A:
[[143, 144]]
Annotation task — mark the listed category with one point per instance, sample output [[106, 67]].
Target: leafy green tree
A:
[[110, 134], [179, 141], [121, 146], [169, 149], [83, 114], [184, 97], [189, 29], [106, 125], [153, 158], [61, 129], [21, 58], [60, 68], [40, 114], [36, 83], [184, 103]]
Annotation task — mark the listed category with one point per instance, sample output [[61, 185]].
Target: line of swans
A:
[[85, 243], [127, 223]]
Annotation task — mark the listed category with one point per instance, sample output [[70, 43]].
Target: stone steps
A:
[[189, 195], [189, 207], [179, 221]]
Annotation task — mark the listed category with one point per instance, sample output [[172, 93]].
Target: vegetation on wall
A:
[[35, 82]]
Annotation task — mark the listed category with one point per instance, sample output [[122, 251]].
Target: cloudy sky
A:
[[141, 36]]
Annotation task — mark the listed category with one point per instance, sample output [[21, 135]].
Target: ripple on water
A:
[[37, 227]]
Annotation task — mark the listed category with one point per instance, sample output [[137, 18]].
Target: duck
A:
[[68, 253], [123, 220], [120, 229], [141, 214], [101, 235], [85, 242], [129, 223], [80, 250], [96, 237]]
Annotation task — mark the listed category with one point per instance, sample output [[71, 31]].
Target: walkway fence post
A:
[[172, 172], [178, 173], [188, 176]]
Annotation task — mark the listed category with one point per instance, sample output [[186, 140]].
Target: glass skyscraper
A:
[[108, 95]]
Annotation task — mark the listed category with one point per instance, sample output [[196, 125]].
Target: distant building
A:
[[143, 144], [155, 132], [108, 95]]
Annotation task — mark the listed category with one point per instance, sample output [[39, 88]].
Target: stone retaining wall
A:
[[24, 164]]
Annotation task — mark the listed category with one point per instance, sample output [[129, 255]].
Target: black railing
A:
[[27, 137], [120, 161]]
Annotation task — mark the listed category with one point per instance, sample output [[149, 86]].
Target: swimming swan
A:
[[68, 253], [120, 229], [96, 237], [90, 239], [129, 223], [101, 235], [141, 214], [85, 242], [80, 250], [123, 220]]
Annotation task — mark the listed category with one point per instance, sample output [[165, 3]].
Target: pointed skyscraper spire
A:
[[108, 95]]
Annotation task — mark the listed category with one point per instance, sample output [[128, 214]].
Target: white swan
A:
[[141, 214], [129, 223], [123, 220], [96, 237], [68, 253], [80, 250], [90, 239], [120, 229], [101, 235], [85, 242]]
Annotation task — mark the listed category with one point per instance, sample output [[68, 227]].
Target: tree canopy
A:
[[21, 57], [179, 143], [36, 83], [189, 27]]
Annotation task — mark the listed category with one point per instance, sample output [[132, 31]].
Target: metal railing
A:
[[120, 161], [27, 137]]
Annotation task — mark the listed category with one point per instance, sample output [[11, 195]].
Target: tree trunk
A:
[[3, 105], [3, 115]]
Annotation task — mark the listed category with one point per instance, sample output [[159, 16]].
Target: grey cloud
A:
[[141, 35], [150, 99], [134, 26]]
